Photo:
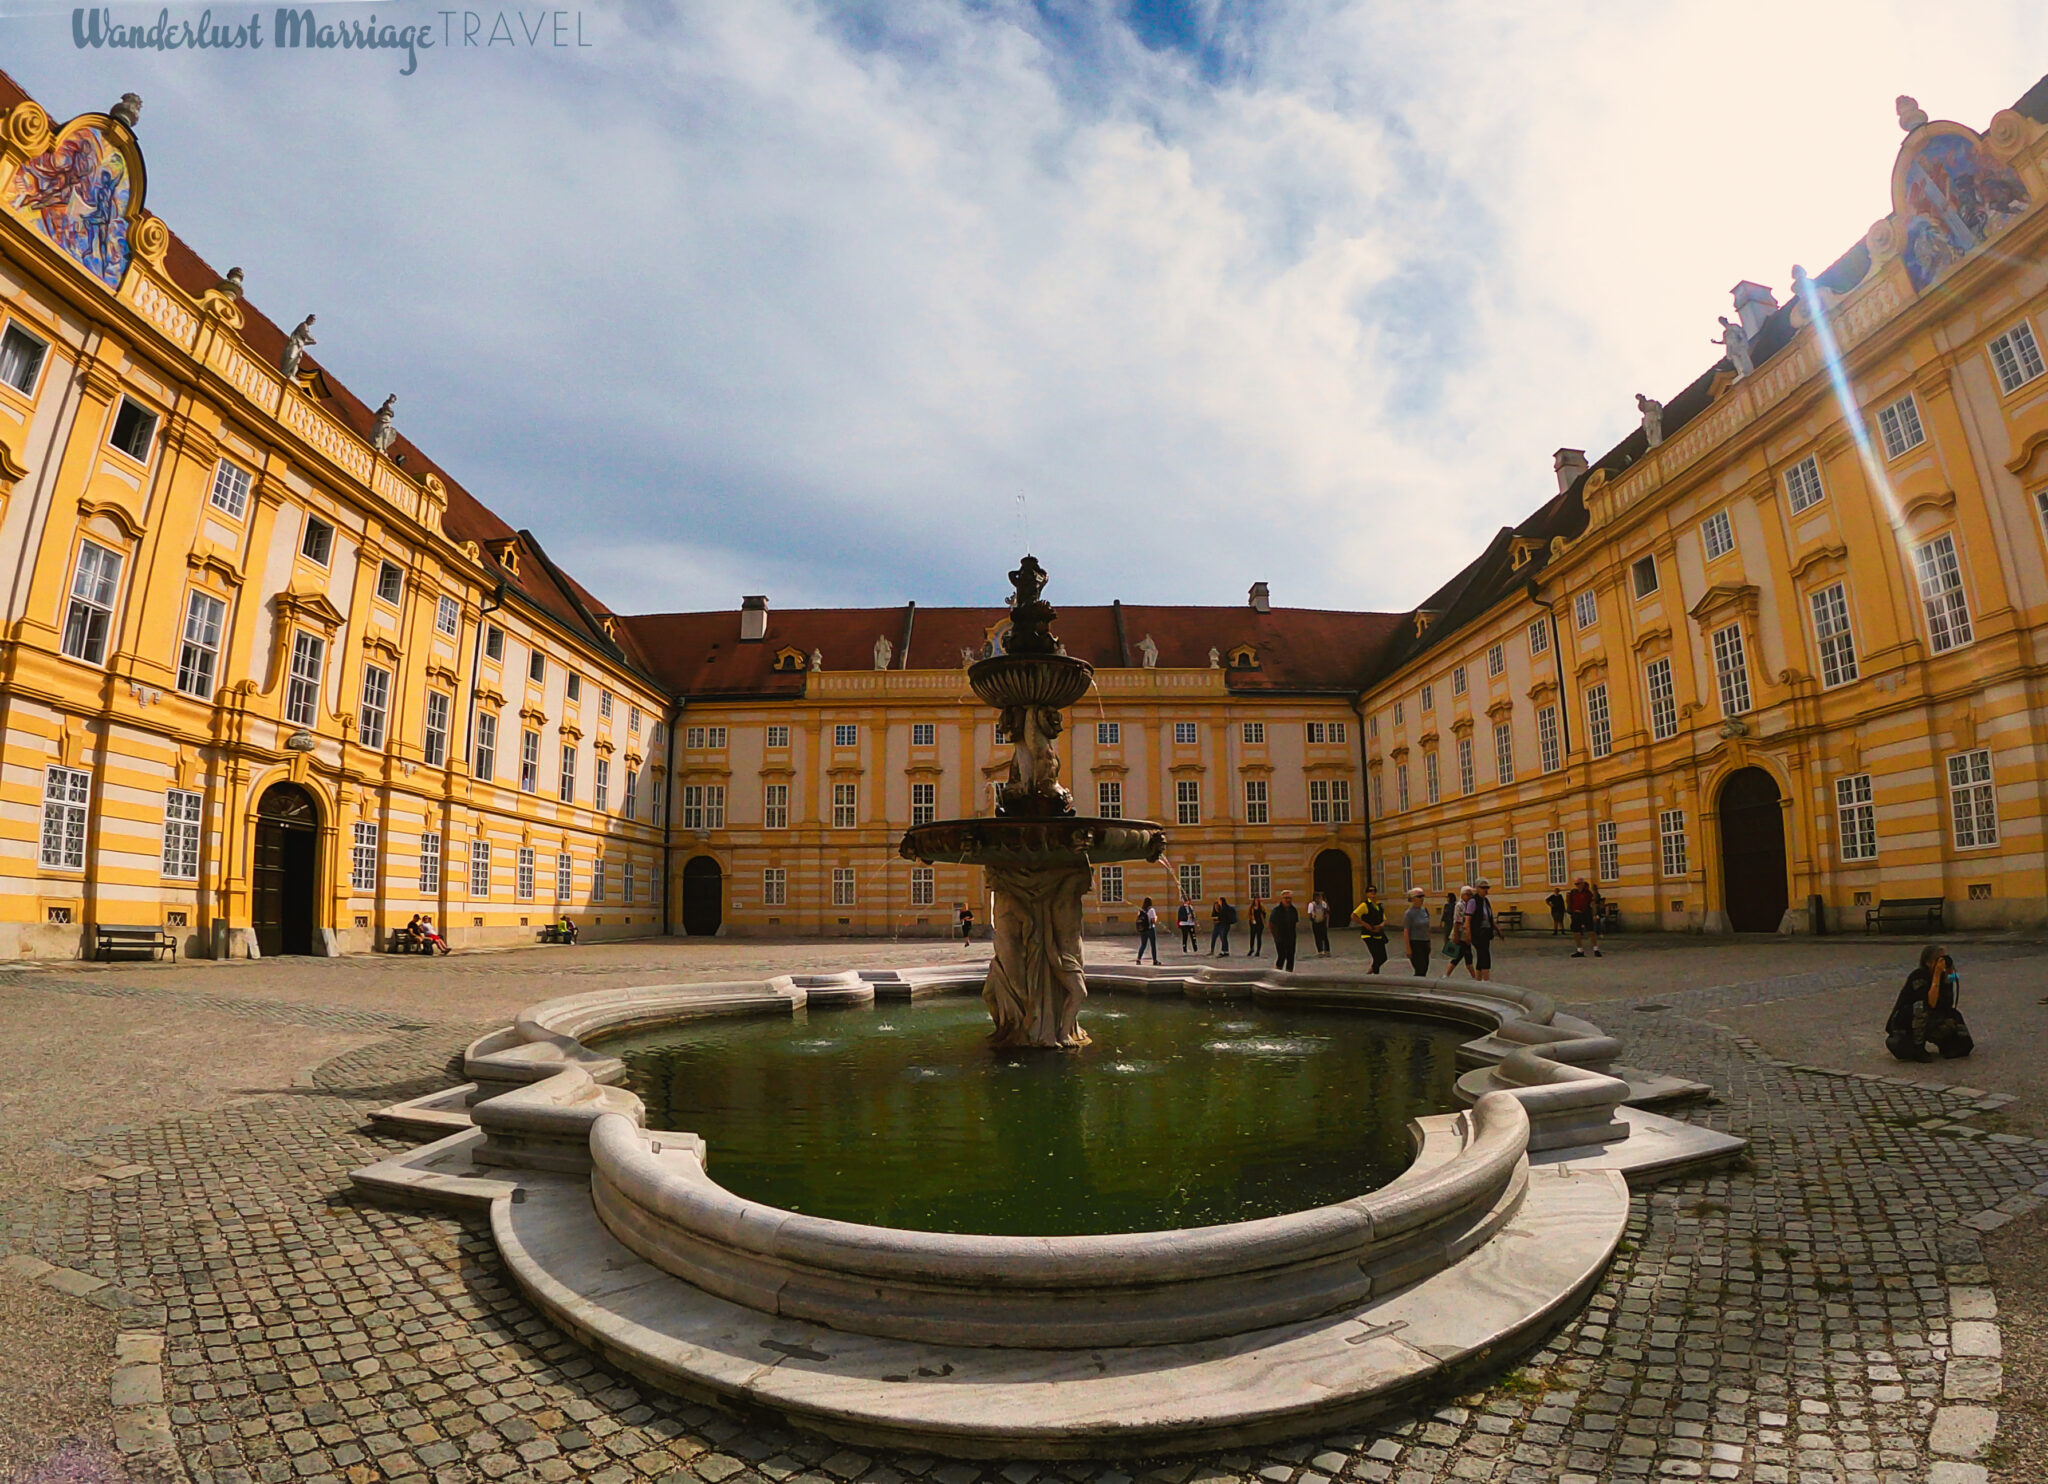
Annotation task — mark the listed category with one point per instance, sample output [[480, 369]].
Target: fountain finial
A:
[[1030, 615]]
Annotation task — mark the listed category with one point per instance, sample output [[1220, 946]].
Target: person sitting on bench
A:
[[431, 938], [566, 929]]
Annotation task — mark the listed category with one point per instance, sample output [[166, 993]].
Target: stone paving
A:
[[1820, 1315]]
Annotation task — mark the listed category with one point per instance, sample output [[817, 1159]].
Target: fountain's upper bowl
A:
[[1052, 680], [1059, 841]]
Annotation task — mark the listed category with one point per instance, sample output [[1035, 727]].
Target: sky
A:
[[847, 303]]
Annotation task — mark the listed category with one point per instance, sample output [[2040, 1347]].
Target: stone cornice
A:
[[1739, 598]]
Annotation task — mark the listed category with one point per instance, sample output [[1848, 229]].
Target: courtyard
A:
[[191, 1288]]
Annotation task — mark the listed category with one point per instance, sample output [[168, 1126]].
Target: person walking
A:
[[1319, 924], [1481, 928], [1189, 943], [1555, 902], [1584, 908], [966, 924], [1286, 921], [1457, 947], [1416, 927], [1257, 923], [1371, 918], [1224, 918], [1148, 931]]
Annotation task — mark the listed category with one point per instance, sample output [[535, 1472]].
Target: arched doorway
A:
[[703, 896], [1333, 880], [286, 869], [1753, 852]]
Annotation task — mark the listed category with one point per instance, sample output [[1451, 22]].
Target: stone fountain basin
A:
[[1075, 840], [1051, 680]]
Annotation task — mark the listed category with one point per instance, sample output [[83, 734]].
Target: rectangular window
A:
[[1399, 718], [199, 651], [1400, 786], [633, 721], [1191, 883], [480, 868], [1585, 610], [1973, 807], [1548, 753], [1941, 592], [1504, 752], [390, 583], [597, 892], [90, 614], [376, 707], [923, 886], [1109, 884], [1187, 799], [1429, 698], [317, 544], [565, 876], [774, 887], [999, 736], [1255, 806], [1856, 818], [923, 734], [523, 881], [573, 687], [565, 788], [435, 743], [447, 616], [775, 807], [1467, 780], [1731, 670], [1802, 484], [1671, 836], [181, 835], [604, 704], [603, 785], [302, 694], [845, 734], [1644, 576], [2014, 356], [778, 737], [1255, 733], [1318, 801], [1497, 660], [1539, 637], [1432, 786], [1183, 734], [1316, 732], [630, 804], [1831, 632], [1407, 876], [1379, 805], [230, 493], [430, 863], [1717, 534], [529, 762], [486, 763], [629, 884], [845, 805], [362, 870], [1554, 856], [842, 886], [1109, 799], [659, 794], [1340, 801], [924, 807], [134, 430], [1337, 732], [21, 359], [536, 667], [494, 642], [1261, 882], [1900, 426], [1663, 699], [703, 806], [1511, 864], [1599, 724], [1607, 846], [1459, 684]]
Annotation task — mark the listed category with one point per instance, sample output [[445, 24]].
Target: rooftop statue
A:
[[295, 348], [1735, 340]]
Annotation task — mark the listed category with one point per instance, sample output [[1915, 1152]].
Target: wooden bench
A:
[[1510, 919], [401, 941], [111, 936], [553, 933], [1927, 912]]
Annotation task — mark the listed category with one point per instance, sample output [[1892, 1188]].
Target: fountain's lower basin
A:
[[1070, 840]]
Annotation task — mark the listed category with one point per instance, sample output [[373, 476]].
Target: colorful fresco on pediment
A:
[[79, 193], [1951, 196]]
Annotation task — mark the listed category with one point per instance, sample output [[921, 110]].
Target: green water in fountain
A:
[[1180, 1114]]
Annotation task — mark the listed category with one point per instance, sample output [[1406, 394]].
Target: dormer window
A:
[[788, 661], [1244, 657]]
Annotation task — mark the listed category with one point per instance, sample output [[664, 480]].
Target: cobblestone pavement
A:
[[1820, 1315]]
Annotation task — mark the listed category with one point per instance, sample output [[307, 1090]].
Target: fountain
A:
[[1038, 854]]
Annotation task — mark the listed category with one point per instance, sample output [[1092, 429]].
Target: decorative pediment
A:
[[1653, 641], [506, 553], [1244, 657], [1462, 727], [1951, 192], [1522, 551], [2027, 463], [1591, 670], [311, 608], [1505, 706], [789, 660], [82, 189], [1925, 503], [12, 470], [113, 512], [933, 770], [442, 675], [1108, 770], [379, 645], [1185, 769], [603, 745], [487, 696], [634, 759], [1400, 754], [211, 562], [1255, 770], [1819, 560], [1725, 599], [570, 731], [533, 714], [1427, 741], [1543, 690]]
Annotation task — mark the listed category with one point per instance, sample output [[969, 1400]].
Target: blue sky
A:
[[801, 298]]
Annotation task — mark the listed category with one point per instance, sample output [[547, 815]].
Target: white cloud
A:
[[767, 297]]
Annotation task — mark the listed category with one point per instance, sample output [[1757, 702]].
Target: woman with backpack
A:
[[1926, 1012], [1190, 942], [1148, 932]]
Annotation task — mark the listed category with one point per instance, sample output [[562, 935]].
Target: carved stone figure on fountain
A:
[[1030, 614], [1034, 790]]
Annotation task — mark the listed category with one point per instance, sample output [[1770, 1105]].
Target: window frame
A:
[[1511, 864], [90, 615], [390, 576], [321, 527], [523, 874], [1607, 851], [184, 827], [1504, 752], [363, 857], [1981, 793], [480, 869], [1109, 798], [1834, 637], [845, 887], [41, 344], [484, 756], [447, 616], [1468, 768], [1186, 734], [1253, 733], [601, 785], [846, 734], [433, 736], [1257, 802], [1109, 885], [1496, 661], [924, 886], [199, 659], [1663, 698], [776, 738], [775, 886], [430, 862], [1187, 801], [2032, 351], [1804, 487], [924, 734], [307, 673], [1855, 819], [1432, 778], [775, 806], [1539, 638], [1900, 427], [1549, 744], [1641, 569], [1956, 618], [1673, 854], [147, 419], [529, 760], [845, 806], [1731, 670], [565, 776], [373, 708], [1717, 535], [924, 801], [1599, 721], [232, 479], [1586, 609]]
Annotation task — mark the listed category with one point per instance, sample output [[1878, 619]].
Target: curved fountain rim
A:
[[1501, 1004]]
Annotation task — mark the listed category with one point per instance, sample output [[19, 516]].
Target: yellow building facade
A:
[[1778, 657]]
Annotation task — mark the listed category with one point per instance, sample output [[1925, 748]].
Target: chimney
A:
[[1569, 463], [753, 619], [1754, 304], [1261, 598]]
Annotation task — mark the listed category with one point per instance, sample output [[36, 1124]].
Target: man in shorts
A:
[[1584, 907]]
